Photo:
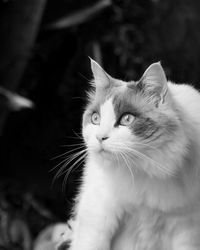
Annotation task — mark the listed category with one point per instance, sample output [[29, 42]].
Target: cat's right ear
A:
[[101, 78]]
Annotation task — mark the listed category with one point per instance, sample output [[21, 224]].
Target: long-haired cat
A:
[[141, 184]]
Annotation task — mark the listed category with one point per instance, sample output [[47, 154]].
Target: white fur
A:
[[150, 212], [107, 119]]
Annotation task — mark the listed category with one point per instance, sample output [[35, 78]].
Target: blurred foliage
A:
[[22, 216], [133, 34]]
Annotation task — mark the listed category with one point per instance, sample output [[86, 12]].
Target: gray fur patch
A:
[[123, 102], [129, 101], [145, 127]]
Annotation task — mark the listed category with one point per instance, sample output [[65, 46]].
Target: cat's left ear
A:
[[101, 78], [154, 83]]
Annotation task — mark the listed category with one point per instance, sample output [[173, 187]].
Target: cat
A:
[[141, 185]]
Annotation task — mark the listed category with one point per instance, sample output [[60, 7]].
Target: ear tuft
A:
[[154, 82]]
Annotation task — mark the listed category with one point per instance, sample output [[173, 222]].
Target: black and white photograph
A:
[[99, 125]]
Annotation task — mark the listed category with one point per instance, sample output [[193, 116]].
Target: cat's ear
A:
[[101, 78], [154, 83]]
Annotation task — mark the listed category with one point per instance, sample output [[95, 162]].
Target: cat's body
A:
[[141, 184]]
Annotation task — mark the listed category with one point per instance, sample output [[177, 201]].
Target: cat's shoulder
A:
[[184, 90], [184, 93], [188, 99]]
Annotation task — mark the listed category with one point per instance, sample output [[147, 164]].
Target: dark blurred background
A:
[[44, 49]]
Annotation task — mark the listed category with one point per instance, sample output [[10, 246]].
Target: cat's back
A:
[[188, 100]]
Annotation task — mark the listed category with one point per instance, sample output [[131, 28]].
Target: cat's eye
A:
[[95, 118], [126, 119]]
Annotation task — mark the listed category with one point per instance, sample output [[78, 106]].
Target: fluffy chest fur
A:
[[151, 215]]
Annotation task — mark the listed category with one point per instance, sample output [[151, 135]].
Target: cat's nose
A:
[[101, 138]]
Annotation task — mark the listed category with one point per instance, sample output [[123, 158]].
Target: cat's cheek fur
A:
[[123, 135]]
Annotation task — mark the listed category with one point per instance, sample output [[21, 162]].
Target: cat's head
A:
[[132, 121]]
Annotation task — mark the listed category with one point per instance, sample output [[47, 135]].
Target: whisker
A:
[[73, 167], [118, 162], [130, 158], [66, 153], [74, 144], [74, 137], [67, 161], [144, 156], [156, 164], [126, 164], [83, 76], [79, 135], [131, 144], [144, 145]]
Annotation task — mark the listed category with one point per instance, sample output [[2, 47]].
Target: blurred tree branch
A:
[[80, 16], [14, 101]]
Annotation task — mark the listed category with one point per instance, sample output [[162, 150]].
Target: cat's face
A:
[[123, 120]]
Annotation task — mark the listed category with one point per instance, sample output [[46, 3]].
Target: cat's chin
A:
[[102, 153]]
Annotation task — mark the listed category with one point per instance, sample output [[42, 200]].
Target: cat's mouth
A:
[[104, 154], [103, 151]]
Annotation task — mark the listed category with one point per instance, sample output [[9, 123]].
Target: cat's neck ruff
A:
[[168, 194]]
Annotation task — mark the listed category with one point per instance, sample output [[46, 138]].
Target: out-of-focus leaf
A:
[[80, 16], [16, 102]]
